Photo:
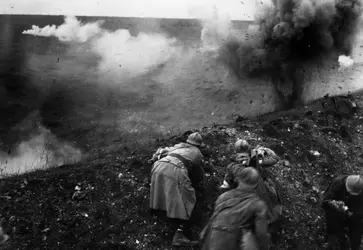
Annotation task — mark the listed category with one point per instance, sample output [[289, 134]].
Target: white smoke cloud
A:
[[345, 62], [41, 151], [216, 20], [120, 54], [127, 55], [71, 30], [216, 29]]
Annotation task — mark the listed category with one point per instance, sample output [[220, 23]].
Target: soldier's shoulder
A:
[[340, 178], [260, 204], [226, 195]]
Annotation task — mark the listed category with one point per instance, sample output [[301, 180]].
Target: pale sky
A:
[[236, 9]]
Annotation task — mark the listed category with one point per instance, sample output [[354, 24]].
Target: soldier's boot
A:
[[180, 239]]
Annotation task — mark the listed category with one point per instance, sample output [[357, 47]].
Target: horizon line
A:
[[146, 17]]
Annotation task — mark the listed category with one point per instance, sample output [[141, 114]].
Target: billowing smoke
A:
[[71, 30], [120, 54], [105, 79], [42, 150], [290, 37], [216, 29], [127, 55]]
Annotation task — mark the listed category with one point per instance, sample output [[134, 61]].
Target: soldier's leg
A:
[[181, 228], [194, 220], [249, 241], [355, 235], [335, 231]]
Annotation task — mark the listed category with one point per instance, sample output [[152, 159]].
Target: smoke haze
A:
[[119, 53], [42, 150], [216, 30], [153, 82], [129, 56]]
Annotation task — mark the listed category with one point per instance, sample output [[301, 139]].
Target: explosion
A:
[[290, 37]]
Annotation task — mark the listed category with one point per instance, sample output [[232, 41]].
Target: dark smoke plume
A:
[[292, 36]]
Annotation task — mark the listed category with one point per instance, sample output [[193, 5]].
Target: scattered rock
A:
[[286, 163], [314, 152], [313, 199], [315, 189], [78, 195]]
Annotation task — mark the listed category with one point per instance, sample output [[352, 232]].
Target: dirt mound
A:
[[103, 203]]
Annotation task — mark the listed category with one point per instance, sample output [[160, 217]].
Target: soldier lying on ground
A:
[[239, 220], [174, 176], [246, 157], [265, 188], [343, 205]]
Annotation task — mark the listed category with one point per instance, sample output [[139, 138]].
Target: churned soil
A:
[[102, 203]]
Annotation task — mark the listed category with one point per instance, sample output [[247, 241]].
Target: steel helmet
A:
[[249, 176], [195, 139], [241, 145], [354, 184]]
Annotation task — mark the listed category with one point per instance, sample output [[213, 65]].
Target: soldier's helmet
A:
[[241, 146], [354, 184], [195, 139], [249, 176]]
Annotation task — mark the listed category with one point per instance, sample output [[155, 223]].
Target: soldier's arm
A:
[[198, 170], [160, 153], [332, 194], [228, 177], [155, 156]]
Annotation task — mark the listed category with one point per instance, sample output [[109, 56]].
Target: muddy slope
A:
[[103, 202]]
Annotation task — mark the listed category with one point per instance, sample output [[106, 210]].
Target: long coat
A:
[[172, 182], [239, 216]]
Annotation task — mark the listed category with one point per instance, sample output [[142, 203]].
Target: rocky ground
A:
[[103, 202]]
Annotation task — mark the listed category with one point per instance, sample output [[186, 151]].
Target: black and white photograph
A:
[[181, 124]]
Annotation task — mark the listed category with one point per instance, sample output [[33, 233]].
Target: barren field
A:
[[43, 209]]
